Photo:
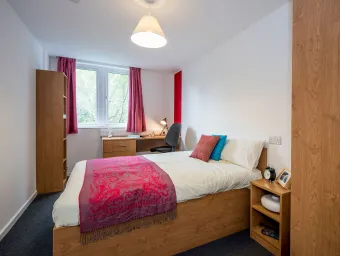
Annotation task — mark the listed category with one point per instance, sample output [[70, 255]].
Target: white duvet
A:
[[192, 179]]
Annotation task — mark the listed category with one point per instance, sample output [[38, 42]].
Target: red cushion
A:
[[205, 147]]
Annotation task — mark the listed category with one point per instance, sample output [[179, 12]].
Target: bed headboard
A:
[[262, 161]]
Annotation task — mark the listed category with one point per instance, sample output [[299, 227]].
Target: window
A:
[[86, 96], [117, 98], [102, 96]]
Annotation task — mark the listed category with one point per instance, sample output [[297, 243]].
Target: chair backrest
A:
[[173, 134]]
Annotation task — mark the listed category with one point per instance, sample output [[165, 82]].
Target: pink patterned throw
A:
[[121, 194]]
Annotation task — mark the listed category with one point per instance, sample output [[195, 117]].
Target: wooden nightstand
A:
[[260, 216]]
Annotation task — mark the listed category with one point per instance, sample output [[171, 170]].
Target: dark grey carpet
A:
[[32, 236]]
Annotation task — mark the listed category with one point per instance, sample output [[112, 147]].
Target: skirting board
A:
[[16, 216]]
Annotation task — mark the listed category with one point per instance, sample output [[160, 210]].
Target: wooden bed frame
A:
[[198, 222]]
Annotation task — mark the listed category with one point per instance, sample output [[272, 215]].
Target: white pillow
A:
[[245, 153]]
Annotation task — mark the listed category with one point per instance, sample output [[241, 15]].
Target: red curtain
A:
[[68, 67], [136, 117], [178, 98]]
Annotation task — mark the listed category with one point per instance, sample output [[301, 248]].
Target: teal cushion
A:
[[216, 154]]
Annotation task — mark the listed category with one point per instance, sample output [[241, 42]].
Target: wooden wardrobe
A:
[[315, 211], [51, 131]]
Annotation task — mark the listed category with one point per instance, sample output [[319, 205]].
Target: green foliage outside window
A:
[[86, 96], [117, 98]]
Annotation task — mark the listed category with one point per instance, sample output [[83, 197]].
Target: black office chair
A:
[[171, 140]]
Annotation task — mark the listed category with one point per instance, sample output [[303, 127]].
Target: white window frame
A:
[[102, 93]]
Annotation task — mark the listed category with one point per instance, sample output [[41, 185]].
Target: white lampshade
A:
[[149, 33]]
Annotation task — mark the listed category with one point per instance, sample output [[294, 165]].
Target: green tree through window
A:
[[117, 98], [86, 96], [102, 96]]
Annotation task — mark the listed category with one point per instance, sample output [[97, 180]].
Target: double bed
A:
[[213, 202]]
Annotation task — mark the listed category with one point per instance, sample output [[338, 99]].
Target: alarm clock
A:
[[269, 174]]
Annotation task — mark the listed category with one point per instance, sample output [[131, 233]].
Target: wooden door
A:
[[315, 216]]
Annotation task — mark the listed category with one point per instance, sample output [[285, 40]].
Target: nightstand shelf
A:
[[273, 215], [257, 230], [260, 217]]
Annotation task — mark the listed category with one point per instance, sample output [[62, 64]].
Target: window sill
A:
[[102, 127]]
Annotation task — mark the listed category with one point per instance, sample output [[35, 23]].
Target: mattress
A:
[[192, 178]]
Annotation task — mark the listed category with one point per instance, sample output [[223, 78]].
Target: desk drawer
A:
[[122, 153], [110, 146]]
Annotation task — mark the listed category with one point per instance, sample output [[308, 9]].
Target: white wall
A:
[[20, 56], [158, 97], [243, 87]]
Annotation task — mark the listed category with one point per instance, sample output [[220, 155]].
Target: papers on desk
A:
[[136, 136]]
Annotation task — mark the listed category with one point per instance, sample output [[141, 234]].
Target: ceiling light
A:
[[149, 33]]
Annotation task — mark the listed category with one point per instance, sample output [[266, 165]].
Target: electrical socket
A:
[[276, 140]]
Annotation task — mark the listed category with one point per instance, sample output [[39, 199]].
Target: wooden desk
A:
[[125, 146]]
